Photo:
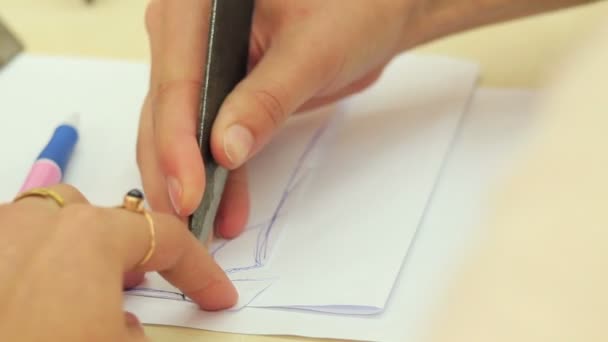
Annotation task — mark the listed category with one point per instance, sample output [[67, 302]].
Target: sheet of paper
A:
[[399, 130], [432, 104], [38, 92], [349, 233], [499, 124], [155, 287], [272, 192]]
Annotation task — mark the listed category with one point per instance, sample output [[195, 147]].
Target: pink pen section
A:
[[43, 173]]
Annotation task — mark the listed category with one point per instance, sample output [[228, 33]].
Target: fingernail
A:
[[175, 193], [238, 142]]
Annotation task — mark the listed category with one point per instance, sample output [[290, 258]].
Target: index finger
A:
[[178, 257], [181, 41]]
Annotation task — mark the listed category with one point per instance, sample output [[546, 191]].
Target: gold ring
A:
[[42, 192], [134, 202]]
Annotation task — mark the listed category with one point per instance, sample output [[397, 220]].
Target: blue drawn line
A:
[[222, 245], [172, 295], [291, 185], [225, 242], [261, 250]]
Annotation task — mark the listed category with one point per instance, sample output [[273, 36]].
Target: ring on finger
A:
[[134, 202], [44, 193]]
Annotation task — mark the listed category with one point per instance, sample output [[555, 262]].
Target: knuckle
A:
[[269, 105], [90, 224], [333, 73], [168, 87], [257, 46], [69, 191], [167, 95], [80, 216], [165, 157], [67, 188], [339, 67], [367, 81]]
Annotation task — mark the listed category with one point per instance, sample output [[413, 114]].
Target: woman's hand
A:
[[303, 54], [62, 269]]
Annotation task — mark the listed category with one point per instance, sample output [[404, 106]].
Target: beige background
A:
[[521, 53], [513, 54]]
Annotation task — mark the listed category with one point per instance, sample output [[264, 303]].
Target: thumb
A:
[[286, 77]]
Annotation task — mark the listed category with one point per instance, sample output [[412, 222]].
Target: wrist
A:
[[433, 19]]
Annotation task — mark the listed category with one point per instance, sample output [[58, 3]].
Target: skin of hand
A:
[[62, 269], [303, 54]]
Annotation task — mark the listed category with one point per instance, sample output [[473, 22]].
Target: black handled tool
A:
[[226, 66]]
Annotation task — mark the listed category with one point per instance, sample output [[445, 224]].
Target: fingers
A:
[[354, 88], [37, 214], [135, 331], [233, 211], [287, 76], [177, 148], [181, 37], [153, 179], [178, 257]]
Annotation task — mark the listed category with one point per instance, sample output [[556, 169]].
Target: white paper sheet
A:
[[399, 130], [349, 233], [425, 97], [499, 124], [38, 92]]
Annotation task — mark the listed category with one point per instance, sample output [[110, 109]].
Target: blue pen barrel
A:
[[60, 147]]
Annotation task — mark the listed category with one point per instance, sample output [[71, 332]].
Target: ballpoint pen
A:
[[51, 163]]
